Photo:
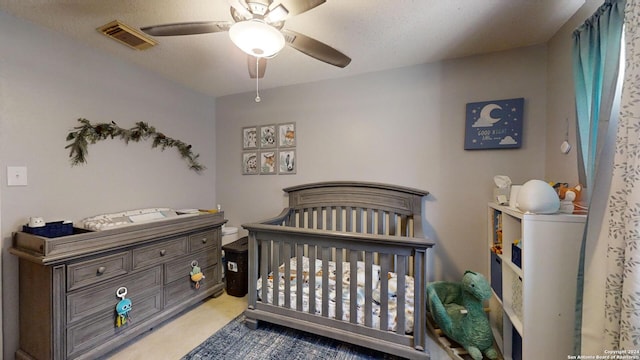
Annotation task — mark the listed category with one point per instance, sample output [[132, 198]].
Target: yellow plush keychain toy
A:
[[196, 274]]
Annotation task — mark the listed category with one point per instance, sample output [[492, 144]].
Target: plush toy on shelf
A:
[[570, 198], [457, 308]]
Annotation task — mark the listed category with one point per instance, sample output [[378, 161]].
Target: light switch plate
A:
[[16, 175]]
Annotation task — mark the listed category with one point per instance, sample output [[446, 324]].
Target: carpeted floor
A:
[[274, 342]]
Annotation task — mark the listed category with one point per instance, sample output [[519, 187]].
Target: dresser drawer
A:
[[94, 300], [182, 267], [178, 291], [157, 253], [101, 327], [205, 239], [93, 271]]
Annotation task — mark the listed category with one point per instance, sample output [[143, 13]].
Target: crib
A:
[[335, 228]]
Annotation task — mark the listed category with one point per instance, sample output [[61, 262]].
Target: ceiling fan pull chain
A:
[[257, 79]]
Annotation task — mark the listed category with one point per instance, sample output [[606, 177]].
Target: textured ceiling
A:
[[376, 34]]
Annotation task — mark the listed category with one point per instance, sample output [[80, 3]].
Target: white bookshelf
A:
[[537, 301]]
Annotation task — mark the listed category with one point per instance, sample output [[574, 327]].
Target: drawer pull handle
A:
[[101, 270], [204, 240], [163, 252]]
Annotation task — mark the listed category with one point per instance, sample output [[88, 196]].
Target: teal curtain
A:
[[596, 56]]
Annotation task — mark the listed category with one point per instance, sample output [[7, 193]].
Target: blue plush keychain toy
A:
[[123, 307]]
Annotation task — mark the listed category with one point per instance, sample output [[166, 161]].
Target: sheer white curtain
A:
[[611, 299], [622, 286]]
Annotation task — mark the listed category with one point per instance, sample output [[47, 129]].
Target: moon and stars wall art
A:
[[494, 124]]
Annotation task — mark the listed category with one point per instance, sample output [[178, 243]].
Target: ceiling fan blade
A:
[[295, 7], [261, 66], [241, 13], [187, 28], [316, 49]]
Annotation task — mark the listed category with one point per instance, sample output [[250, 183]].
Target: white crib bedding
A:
[[375, 292]]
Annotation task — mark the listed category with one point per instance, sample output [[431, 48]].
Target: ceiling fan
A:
[[257, 30]]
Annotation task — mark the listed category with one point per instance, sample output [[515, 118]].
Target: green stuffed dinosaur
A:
[[457, 307]]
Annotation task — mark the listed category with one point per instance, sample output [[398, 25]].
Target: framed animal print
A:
[[287, 135], [249, 163], [249, 138], [287, 162], [268, 162], [269, 149], [268, 136]]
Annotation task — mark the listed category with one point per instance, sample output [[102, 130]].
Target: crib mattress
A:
[[344, 280]]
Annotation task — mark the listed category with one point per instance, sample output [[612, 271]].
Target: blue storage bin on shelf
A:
[[496, 274], [51, 229], [516, 255], [516, 345]]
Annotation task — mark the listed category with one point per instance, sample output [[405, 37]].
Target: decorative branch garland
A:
[[87, 133]]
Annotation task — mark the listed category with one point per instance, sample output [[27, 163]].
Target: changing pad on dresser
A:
[[129, 217]]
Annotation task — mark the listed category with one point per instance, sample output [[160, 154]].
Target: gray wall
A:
[[404, 126], [48, 81]]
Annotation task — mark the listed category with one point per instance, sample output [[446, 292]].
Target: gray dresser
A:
[[68, 284]]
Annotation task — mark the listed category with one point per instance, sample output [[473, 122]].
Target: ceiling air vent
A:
[[127, 35]]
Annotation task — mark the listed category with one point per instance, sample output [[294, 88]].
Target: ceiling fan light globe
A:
[[257, 38]]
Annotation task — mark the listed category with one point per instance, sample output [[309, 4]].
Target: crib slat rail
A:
[[310, 242], [328, 233]]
